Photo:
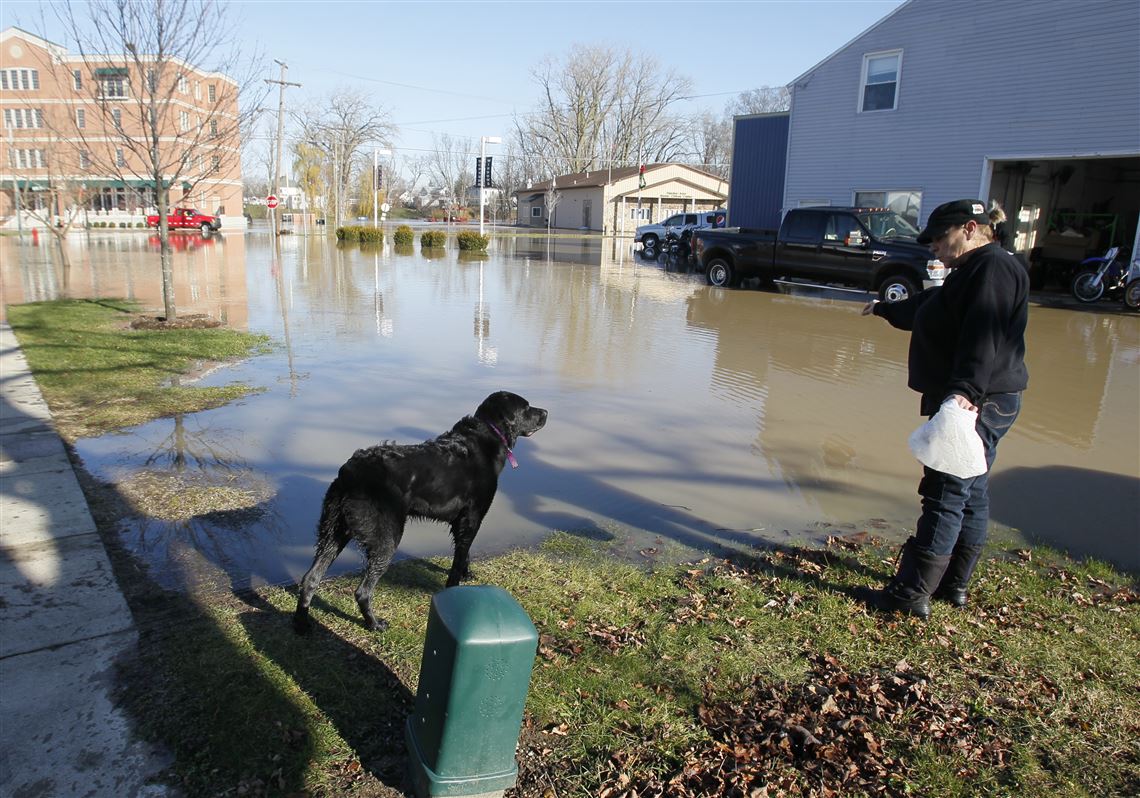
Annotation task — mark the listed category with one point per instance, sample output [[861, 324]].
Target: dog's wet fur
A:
[[451, 479]]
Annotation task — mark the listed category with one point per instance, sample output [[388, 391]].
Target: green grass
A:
[[98, 375], [649, 680]]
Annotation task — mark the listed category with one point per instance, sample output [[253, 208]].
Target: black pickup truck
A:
[[870, 248]]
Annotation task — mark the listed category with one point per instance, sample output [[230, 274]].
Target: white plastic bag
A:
[[949, 442]]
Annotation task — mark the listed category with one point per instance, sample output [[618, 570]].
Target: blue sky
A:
[[464, 67]]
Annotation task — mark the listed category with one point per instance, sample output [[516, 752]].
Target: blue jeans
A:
[[957, 511]]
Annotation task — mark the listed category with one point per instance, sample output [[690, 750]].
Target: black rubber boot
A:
[[952, 588], [919, 573]]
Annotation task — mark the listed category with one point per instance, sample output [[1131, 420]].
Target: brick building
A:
[[76, 127]]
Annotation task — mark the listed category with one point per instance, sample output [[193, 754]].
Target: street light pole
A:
[[479, 181], [376, 153]]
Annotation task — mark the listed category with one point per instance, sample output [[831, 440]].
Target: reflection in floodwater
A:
[[679, 412]]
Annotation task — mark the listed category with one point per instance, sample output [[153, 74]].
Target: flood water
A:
[[679, 413]]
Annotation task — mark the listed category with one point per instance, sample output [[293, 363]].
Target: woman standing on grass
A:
[[967, 344]]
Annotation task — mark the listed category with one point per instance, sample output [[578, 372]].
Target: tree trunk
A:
[[164, 252]]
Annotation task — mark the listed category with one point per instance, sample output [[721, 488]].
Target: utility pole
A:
[[280, 134]]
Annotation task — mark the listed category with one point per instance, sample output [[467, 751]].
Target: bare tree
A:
[[54, 192], [598, 106], [451, 165], [346, 125], [140, 57], [764, 100], [711, 138]]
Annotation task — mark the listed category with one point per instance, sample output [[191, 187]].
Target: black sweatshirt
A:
[[968, 336]]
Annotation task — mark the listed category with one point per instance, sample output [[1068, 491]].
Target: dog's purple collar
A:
[[510, 455]]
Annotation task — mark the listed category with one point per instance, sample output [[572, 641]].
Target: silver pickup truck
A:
[[651, 234]]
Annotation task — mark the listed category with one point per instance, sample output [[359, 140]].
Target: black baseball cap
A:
[[952, 214]]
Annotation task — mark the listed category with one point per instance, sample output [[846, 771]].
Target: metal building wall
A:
[[759, 155]]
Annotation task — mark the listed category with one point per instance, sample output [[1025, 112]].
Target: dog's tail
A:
[[332, 525]]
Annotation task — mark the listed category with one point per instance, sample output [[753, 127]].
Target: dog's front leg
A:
[[464, 535]]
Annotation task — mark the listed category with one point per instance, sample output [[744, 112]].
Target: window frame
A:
[[886, 192], [77, 79], [898, 53], [535, 211], [80, 118]]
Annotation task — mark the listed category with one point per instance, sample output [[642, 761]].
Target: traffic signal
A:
[[379, 177], [487, 173]]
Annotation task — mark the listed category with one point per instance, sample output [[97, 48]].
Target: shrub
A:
[[402, 236], [350, 232], [123, 225], [433, 238], [472, 241], [140, 224], [370, 235]]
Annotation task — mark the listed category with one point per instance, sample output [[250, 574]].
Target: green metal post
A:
[[478, 655]]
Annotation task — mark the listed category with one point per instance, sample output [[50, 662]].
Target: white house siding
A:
[[978, 79]]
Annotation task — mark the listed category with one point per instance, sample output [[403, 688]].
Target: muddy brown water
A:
[[679, 413]]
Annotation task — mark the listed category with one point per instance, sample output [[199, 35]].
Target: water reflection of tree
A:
[[201, 513]]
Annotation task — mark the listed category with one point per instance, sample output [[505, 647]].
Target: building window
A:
[[113, 86], [183, 121], [23, 117], [535, 211], [215, 163], [117, 118], [880, 83], [151, 81], [214, 128], [907, 204], [80, 118], [120, 159], [212, 93], [183, 84], [197, 90], [77, 77], [639, 214], [84, 159], [20, 79]]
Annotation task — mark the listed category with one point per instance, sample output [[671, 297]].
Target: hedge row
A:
[[472, 241], [120, 225], [356, 232]]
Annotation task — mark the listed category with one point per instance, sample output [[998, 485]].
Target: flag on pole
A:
[[641, 176]]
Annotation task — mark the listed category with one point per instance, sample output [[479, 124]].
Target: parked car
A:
[[651, 235], [187, 219], [870, 248]]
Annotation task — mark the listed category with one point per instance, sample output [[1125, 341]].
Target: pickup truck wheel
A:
[[650, 241], [206, 229], [720, 274], [896, 288]]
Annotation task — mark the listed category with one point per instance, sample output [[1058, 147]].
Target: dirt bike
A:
[[1097, 277]]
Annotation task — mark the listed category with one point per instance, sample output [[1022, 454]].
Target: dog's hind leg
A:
[[378, 552], [332, 537]]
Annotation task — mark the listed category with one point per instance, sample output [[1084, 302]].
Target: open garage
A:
[[1063, 210]]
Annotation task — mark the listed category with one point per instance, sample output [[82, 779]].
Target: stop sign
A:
[[271, 202]]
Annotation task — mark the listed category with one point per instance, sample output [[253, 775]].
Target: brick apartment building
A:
[[72, 127]]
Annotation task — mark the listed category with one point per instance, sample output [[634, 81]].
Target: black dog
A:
[[452, 479]]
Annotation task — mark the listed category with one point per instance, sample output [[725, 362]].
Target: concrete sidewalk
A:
[[63, 620]]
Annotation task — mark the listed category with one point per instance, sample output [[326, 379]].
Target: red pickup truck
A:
[[188, 219]]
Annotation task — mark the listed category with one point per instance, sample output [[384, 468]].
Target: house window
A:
[[639, 214], [77, 77], [120, 159], [907, 204], [80, 118], [535, 211], [879, 87], [212, 93]]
